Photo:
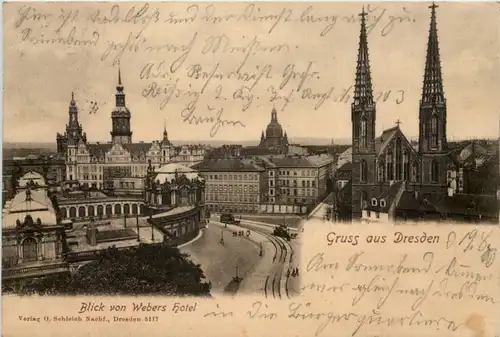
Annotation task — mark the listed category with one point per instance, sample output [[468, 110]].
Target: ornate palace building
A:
[[175, 201], [119, 165], [390, 177], [33, 237]]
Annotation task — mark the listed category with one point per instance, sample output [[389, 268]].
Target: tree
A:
[[143, 270]]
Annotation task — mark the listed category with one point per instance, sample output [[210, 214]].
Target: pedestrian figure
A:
[[297, 271], [288, 273], [293, 273]]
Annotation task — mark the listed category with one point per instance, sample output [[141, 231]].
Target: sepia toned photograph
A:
[[180, 149]]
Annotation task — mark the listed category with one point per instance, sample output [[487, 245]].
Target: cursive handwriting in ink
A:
[[223, 44], [69, 40], [259, 311], [221, 314], [188, 115], [28, 13]]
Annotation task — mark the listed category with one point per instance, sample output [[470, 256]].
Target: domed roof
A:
[[274, 129]]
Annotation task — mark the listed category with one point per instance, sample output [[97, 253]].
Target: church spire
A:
[[363, 93], [120, 95], [119, 87], [432, 91]]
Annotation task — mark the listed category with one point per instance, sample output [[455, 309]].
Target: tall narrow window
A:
[[390, 166], [406, 166], [399, 164], [363, 132], [434, 131], [434, 171], [363, 200], [414, 171], [381, 171], [364, 171]]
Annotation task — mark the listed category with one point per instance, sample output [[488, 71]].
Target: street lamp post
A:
[[125, 220], [260, 253]]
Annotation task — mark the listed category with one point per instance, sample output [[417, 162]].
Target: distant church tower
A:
[[120, 117], [432, 127], [363, 114]]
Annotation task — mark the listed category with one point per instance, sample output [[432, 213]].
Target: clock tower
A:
[[120, 117]]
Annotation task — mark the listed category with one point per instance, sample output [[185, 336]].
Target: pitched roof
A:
[[228, 165]]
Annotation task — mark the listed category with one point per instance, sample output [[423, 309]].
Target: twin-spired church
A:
[[390, 176]]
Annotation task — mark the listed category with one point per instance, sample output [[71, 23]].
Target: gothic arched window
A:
[[363, 200], [390, 166], [434, 171], [414, 171], [364, 170], [399, 164], [406, 166], [434, 131], [381, 171], [363, 132]]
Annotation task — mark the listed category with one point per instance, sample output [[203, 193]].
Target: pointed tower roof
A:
[[165, 133], [119, 87], [72, 102], [432, 91], [363, 92]]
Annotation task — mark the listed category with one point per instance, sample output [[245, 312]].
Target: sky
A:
[[39, 77]]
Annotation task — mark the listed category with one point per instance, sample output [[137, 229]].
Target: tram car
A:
[[229, 219], [281, 231]]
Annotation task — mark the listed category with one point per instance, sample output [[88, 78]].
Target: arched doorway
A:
[[91, 211], [126, 209], [64, 213], [134, 209], [100, 210], [72, 212], [29, 249], [118, 209], [143, 208]]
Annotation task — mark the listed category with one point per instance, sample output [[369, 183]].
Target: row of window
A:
[[400, 171], [231, 188], [293, 183], [231, 197], [303, 173], [240, 176]]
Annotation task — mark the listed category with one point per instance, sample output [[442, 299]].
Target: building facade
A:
[[233, 185], [120, 165], [33, 237], [175, 201], [379, 162]]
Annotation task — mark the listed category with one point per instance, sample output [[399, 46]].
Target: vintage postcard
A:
[[254, 169]]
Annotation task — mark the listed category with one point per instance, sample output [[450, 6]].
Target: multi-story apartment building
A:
[[233, 185], [119, 165], [296, 183]]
